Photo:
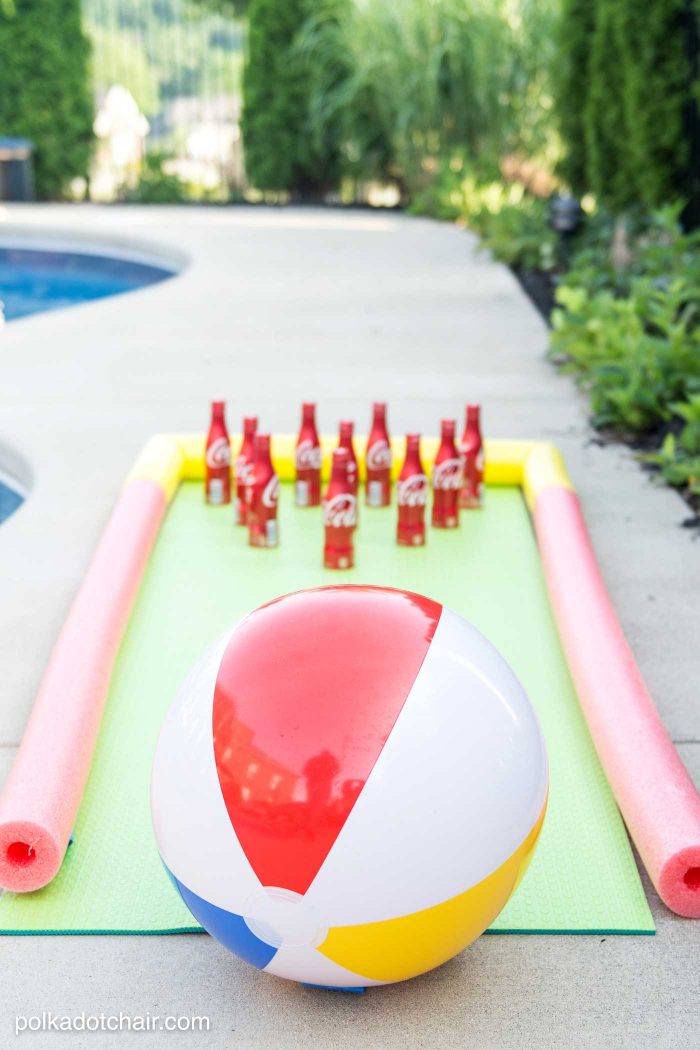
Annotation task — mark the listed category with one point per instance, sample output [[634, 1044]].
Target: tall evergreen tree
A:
[[627, 98], [656, 86], [44, 87], [571, 76], [609, 167], [280, 152]]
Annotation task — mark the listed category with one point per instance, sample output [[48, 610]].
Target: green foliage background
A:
[[45, 92]]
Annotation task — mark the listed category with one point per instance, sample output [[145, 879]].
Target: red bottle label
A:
[[339, 518], [447, 482], [307, 460], [218, 470], [262, 513], [411, 496], [379, 473]]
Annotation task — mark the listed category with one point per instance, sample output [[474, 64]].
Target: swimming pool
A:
[[33, 281], [10, 498]]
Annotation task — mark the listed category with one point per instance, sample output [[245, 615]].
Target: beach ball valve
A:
[[349, 786]]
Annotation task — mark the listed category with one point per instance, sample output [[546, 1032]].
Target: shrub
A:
[[637, 356], [657, 248], [408, 83], [511, 223], [155, 185], [44, 88], [678, 459]]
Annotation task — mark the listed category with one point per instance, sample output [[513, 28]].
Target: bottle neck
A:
[[339, 466]]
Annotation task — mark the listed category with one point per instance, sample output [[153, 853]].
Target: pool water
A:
[[33, 281], [10, 500]]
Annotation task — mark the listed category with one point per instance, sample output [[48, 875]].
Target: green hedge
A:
[[280, 152], [44, 88], [627, 99]]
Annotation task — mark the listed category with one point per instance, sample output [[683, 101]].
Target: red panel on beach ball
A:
[[292, 761]]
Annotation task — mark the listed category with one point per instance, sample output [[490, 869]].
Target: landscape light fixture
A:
[[565, 215]]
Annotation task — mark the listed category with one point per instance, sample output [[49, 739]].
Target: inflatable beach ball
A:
[[349, 786]]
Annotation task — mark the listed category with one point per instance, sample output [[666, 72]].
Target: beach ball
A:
[[348, 786]]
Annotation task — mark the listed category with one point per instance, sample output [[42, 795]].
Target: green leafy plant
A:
[[678, 459], [521, 237], [512, 223], [636, 355]]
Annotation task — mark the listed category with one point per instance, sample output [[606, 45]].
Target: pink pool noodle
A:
[[40, 801], [657, 798]]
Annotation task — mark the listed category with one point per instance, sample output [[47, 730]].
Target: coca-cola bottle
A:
[[307, 460], [263, 493], [411, 496], [447, 479], [339, 509], [472, 450], [217, 458], [345, 441], [378, 461], [244, 468]]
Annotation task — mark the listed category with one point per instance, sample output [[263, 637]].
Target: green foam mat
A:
[[201, 578]]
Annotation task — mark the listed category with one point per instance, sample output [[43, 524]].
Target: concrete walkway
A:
[[272, 307]]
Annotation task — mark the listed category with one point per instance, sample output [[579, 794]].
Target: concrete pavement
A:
[[272, 307]]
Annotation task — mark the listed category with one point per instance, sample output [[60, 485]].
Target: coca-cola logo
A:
[[244, 470], [340, 512], [271, 492], [379, 456], [412, 491], [448, 474], [473, 465], [218, 454], [307, 455]]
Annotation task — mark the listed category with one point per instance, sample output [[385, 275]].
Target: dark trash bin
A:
[[16, 170]]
